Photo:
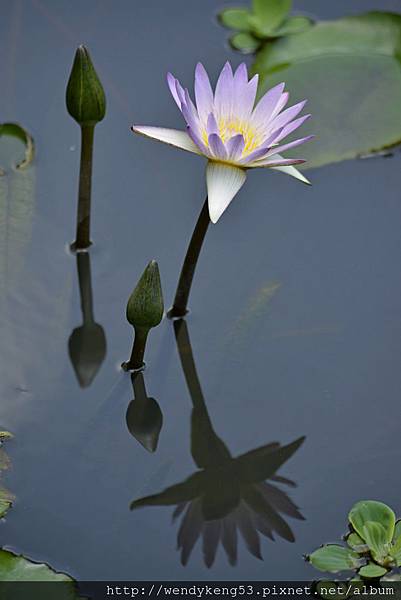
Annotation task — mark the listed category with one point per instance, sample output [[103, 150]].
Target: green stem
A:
[[138, 350], [179, 308], [82, 239]]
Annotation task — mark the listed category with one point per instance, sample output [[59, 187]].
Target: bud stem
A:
[[179, 308], [138, 350], [82, 240]]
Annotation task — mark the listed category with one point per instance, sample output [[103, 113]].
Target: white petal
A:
[[223, 182], [288, 170], [173, 137], [291, 171]]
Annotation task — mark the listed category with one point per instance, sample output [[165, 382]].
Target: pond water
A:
[[295, 316]]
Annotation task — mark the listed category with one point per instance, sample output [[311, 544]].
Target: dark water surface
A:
[[296, 307]]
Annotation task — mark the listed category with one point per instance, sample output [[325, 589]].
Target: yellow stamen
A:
[[234, 126]]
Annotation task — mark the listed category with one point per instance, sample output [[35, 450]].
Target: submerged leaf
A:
[[17, 131]]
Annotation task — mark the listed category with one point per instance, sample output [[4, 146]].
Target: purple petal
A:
[[212, 126], [217, 147], [195, 137], [203, 92], [266, 105], [282, 162], [235, 146], [291, 127], [290, 113], [279, 149], [171, 82], [190, 113], [241, 75], [223, 96], [280, 105], [244, 97]]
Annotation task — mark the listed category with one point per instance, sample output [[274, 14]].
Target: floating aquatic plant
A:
[[144, 311], [234, 136], [264, 20], [86, 103], [373, 544]]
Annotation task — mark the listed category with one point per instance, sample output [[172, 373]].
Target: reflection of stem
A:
[[138, 383], [138, 350], [85, 286], [188, 365], [84, 195], [179, 308]]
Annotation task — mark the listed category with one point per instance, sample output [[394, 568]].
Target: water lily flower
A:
[[231, 132]]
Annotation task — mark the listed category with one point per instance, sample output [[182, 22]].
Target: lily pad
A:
[[372, 570], [16, 570], [333, 559], [368, 511], [350, 72]]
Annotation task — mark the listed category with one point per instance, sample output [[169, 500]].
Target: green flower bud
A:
[[145, 306], [85, 97]]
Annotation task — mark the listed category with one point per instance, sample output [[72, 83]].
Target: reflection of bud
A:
[[85, 97], [145, 305]]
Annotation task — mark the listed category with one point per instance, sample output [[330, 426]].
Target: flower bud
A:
[[85, 97], [145, 306]]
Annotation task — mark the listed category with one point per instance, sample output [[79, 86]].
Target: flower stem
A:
[[82, 239], [138, 350], [179, 308]]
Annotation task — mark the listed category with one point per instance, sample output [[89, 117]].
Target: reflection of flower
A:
[[229, 494], [232, 134]]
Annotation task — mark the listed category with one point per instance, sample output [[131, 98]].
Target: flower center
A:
[[234, 126]]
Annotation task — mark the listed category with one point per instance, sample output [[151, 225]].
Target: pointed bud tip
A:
[[85, 98], [145, 306]]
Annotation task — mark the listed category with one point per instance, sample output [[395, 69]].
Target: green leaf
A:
[[244, 42], [293, 25], [357, 543], [397, 530], [271, 13], [333, 65], [17, 569], [370, 510], [376, 538], [395, 550], [372, 570], [235, 18], [6, 498], [333, 558]]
